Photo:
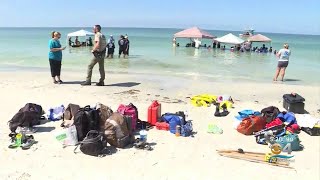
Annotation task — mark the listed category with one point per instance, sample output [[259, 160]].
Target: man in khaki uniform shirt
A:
[[99, 53]]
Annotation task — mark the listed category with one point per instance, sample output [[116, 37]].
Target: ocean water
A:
[[151, 53]]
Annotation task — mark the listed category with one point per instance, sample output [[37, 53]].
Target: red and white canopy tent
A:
[[194, 32], [259, 38]]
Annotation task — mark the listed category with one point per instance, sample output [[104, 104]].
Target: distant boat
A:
[[247, 33]]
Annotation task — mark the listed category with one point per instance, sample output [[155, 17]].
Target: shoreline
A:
[[159, 75]]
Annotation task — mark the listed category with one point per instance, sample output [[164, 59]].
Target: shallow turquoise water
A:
[[151, 52]]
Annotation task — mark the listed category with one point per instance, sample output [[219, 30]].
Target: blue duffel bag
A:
[[173, 120]]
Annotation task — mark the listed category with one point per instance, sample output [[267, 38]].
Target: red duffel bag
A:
[[251, 124]]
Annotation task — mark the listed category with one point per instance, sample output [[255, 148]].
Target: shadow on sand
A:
[[73, 82], [126, 84], [41, 129], [292, 80]]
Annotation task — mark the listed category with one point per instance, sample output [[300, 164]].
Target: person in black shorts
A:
[[283, 61], [126, 46], [110, 47], [121, 45]]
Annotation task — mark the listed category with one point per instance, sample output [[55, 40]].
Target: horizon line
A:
[[152, 28]]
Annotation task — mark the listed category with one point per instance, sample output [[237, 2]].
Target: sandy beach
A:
[[172, 157]]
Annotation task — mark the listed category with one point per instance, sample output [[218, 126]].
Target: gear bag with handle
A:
[[117, 130], [173, 120], [129, 110], [270, 113], [86, 119], [251, 124], [92, 144], [27, 116]]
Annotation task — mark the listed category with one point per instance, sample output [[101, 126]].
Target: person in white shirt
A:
[[197, 43], [174, 42], [283, 55]]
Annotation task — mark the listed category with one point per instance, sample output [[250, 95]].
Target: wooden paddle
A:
[[251, 156]]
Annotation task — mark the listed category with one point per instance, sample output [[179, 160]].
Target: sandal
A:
[[142, 145], [28, 142], [60, 82]]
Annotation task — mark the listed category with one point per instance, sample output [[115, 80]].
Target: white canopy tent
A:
[[80, 33], [230, 39]]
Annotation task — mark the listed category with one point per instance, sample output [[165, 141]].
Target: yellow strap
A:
[[199, 102]]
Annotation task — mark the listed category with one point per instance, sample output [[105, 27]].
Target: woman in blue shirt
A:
[[55, 56]]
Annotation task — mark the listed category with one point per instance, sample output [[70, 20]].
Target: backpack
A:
[[251, 124], [270, 113], [27, 116], [70, 111], [86, 119], [92, 144], [129, 110], [186, 130], [118, 131], [104, 112], [173, 120]]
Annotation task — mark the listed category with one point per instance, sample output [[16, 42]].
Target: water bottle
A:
[[143, 135], [19, 139], [186, 114], [178, 129]]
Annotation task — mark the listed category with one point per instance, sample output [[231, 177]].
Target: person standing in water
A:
[[55, 57], [110, 47], [99, 53], [174, 42], [283, 55], [121, 45], [111, 39], [126, 46]]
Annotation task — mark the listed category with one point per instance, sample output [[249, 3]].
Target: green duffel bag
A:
[[292, 139]]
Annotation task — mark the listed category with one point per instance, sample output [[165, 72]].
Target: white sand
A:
[[172, 157]]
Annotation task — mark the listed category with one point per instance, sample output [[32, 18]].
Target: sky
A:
[[279, 16]]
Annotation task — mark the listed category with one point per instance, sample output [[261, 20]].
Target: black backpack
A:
[[270, 113], [85, 120], [93, 144], [27, 116]]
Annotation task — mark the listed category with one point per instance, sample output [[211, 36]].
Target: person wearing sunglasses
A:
[[55, 56]]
